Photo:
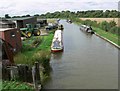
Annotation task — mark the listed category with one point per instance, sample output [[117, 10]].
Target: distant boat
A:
[[87, 29], [60, 27], [69, 21], [57, 42]]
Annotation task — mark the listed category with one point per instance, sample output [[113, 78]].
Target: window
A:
[[12, 34]]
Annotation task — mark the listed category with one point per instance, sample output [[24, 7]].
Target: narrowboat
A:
[[60, 27], [87, 29], [57, 42]]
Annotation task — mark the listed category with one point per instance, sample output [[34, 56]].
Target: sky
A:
[[32, 7]]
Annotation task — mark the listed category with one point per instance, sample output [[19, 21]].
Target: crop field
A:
[[51, 20], [117, 20]]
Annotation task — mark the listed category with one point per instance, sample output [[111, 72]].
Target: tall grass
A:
[[41, 53], [29, 52]]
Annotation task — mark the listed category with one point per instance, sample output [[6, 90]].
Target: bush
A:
[[114, 30], [43, 57], [29, 44], [26, 48], [105, 26], [112, 24], [22, 59]]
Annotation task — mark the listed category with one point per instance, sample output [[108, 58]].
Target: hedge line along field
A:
[[117, 20]]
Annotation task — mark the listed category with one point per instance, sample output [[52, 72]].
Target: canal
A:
[[88, 62]]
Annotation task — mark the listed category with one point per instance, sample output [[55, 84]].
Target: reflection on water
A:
[[56, 56], [88, 62]]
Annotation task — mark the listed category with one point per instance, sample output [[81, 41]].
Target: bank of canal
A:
[[88, 62]]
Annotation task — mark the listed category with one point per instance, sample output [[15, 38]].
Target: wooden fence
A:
[[23, 73]]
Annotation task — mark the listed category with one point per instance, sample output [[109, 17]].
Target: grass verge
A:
[[29, 52], [112, 37]]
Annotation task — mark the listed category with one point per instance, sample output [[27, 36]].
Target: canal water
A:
[[88, 62]]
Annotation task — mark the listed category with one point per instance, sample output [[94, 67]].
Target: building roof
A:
[[5, 29], [40, 19], [4, 21], [21, 18]]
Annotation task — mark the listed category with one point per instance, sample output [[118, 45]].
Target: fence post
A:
[[13, 72], [36, 76]]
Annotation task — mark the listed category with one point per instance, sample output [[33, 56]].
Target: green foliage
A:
[[105, 29], [105, 26], [112, 24], [112, 37], [43, 57], [29, 44], [69, 14], [14, 85], [115, 30], [41, 53], [89, 13], [7, 16], [28, 53]]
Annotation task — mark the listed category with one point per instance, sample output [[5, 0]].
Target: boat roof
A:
[[57, 32], [58, 35], [85, 26]]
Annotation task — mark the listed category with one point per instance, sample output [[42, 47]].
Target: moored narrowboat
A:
[[57, 43]]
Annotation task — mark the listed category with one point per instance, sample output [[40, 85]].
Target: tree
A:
[[28, 15], [112, 24], [36, 15], [7, 16]]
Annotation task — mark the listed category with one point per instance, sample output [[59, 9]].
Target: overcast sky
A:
[[23, 7]]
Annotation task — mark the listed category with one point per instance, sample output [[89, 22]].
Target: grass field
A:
[[51, 20]]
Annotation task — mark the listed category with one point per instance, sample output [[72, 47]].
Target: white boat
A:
[[57, 42]]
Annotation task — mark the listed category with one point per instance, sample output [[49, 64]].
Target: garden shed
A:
[[12, 36]]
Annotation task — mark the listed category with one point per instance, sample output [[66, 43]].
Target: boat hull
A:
[[56, 50]]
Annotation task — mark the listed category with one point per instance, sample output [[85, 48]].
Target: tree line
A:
[[74, 16], [69, 14], [83, 14]]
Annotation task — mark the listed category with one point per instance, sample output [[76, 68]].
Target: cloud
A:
[[22, 7]]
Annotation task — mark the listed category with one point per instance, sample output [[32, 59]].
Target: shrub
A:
[[114, 30], [43, 57], [22, 59], [112, 24], [105, 26]]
